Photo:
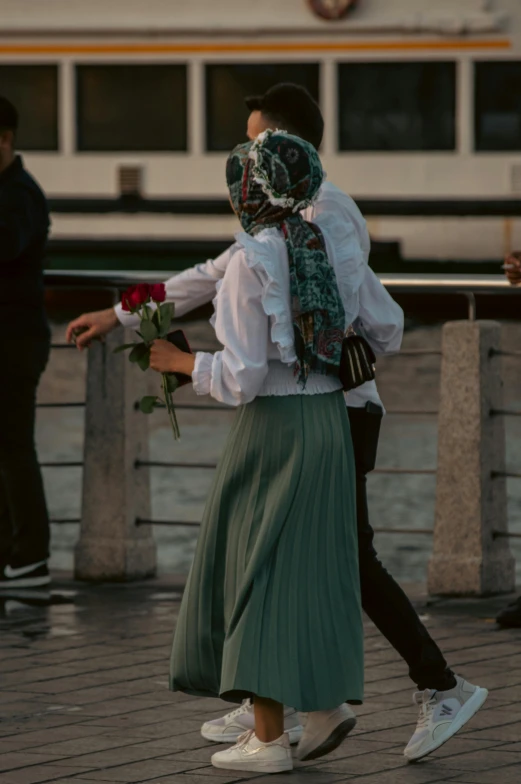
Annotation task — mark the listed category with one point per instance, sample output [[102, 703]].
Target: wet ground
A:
[[84, 697], [396, 501]]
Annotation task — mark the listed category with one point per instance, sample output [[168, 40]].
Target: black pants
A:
[[24, 522], [382, 598]]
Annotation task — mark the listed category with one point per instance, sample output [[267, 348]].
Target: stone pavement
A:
[[84, 698]]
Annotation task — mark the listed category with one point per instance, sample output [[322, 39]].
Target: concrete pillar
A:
[[470, 502], [115, 493]]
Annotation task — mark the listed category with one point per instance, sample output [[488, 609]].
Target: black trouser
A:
[[24, 522], [382, 598]]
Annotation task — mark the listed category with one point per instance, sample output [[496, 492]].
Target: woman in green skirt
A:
[[271, 609]]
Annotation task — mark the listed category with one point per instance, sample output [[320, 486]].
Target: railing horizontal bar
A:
[[419, 471], [211, 407], [195, 524], [504, 412], [206, 407], [415, 352], [55, 346], [506, 474], [426, 283], [407, 412], [494, 353], [403, 530], [65, 520], [190, 523], [60, 405], [78, 464], [406, 352], [162, 464], [505, 535]]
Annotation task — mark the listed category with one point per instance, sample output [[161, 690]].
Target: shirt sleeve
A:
[[16, 224], [380, 318], [235, 375], [189, 289]]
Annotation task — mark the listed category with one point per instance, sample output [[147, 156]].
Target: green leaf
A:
[[149, 331], [144, 361], [138, 352], [124, 347], [155, 320], [171, 382], [167, 312], [148, 403]]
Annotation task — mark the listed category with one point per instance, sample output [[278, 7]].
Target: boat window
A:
[[397, 106], [497, 106], [228, 85], [33, 89], [131, 108]]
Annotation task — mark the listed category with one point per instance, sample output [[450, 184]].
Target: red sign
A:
[[331, 9]]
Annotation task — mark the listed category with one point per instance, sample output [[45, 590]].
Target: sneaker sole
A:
[[332, 742], [294, 735], [256, 767], [469, 710], [25, 582]]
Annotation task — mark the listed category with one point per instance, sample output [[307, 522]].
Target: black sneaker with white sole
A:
[[28, 576]]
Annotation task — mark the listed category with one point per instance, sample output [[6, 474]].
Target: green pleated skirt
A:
[[272, 603]]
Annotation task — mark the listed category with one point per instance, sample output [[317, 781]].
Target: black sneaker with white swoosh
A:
[[28, 576]]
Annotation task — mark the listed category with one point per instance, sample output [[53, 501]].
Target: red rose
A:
[[142, 293], [126, 299], [135, 296], [158, 292]]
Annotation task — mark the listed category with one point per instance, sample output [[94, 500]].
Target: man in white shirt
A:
[[446, 701]]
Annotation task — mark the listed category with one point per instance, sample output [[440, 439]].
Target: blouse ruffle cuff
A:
[[266, 253], [124, 317], [202, 373]]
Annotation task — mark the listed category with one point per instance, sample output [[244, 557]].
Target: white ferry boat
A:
[[422, 103]]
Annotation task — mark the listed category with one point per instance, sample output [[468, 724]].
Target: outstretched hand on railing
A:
[[91, 326]]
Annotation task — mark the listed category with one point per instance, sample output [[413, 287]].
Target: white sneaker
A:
[[442, 715], [324, 731], [229, 728], [250, 753]]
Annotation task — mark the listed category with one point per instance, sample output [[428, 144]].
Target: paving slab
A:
[[84, 697]]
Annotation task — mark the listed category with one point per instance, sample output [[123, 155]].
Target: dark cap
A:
[[8, 114], [294, 108]]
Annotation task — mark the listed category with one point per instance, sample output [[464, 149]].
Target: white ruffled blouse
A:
[[253, 318]]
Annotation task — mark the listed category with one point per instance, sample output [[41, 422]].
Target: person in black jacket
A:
[[24, 350]]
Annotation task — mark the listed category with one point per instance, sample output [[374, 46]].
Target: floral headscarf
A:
[[270, 181]]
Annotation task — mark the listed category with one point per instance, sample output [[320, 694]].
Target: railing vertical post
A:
[[111, 546], [470, 500]]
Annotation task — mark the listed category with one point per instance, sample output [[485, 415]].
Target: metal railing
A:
[[468, 286]]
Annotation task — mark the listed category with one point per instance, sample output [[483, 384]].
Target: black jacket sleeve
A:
[[16, 222]]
